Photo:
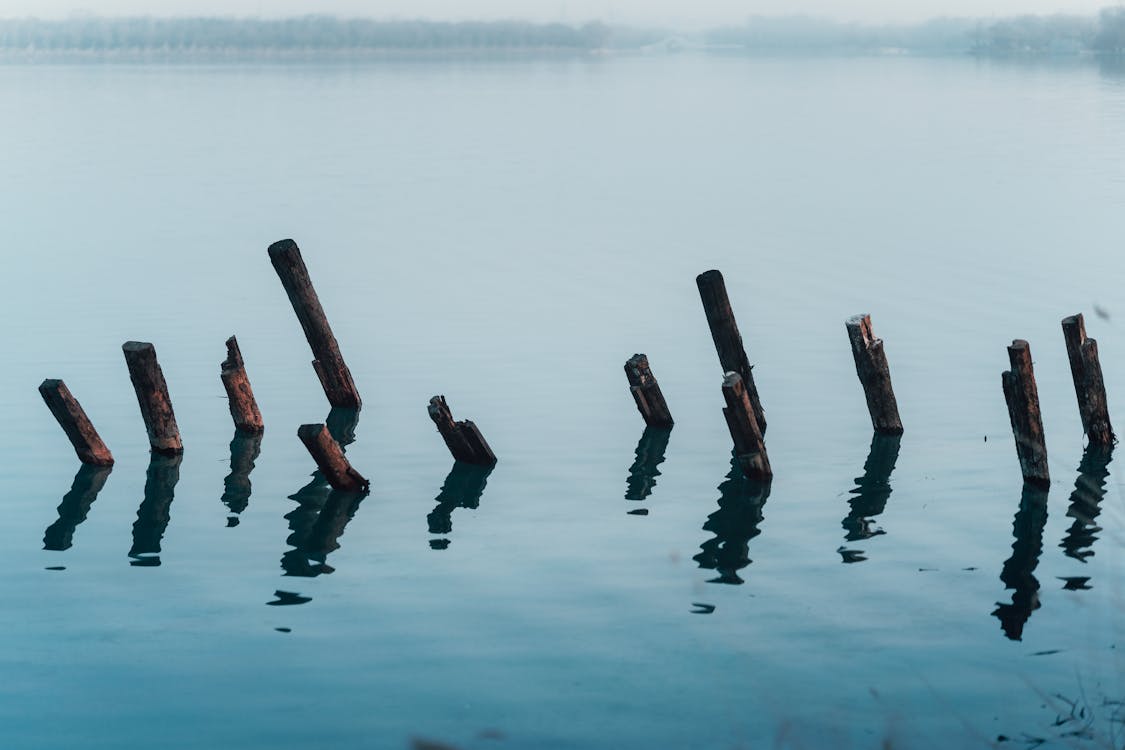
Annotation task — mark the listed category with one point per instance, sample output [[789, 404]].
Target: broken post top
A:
[[234, 356], [859, 330], [328, 362], [1019, 354], [464, 439], [637, 370]]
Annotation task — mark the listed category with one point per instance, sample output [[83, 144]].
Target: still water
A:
[[507, 233]]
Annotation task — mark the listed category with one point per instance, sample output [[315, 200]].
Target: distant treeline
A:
[[304, 34], [1023, 35], [312, 35]]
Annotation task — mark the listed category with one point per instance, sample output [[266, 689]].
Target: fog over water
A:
[[666, 12]]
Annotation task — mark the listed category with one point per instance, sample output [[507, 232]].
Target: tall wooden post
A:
[[152, 395], [1086, 370], [1023, 408], [749, 448], [335, 377], [77, 426], [875, 375], [646, 392], [462, 438], [243, 407], [330, 459], [728, 341]]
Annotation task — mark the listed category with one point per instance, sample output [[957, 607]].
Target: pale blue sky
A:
[[679, 12]]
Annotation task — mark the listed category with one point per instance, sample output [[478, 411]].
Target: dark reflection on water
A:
[[75, 505], [733, 525], [1085, 506], [153, 515], [318, 521], [643, 472], [870, 494], [244, 450], [463, 488], [1018, 572]]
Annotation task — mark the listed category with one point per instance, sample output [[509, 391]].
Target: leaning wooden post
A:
[[152, 395], [462, 438], [330, 459], [1023, 409], [749, 447], [329, 364], [77, 426], [875, 375], [728, 341], [646, 392], [1086, 370], [243, 407]]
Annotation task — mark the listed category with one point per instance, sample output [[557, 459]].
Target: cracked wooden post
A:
[[749, 448], [646, 392], [330, 459], [728, 341], [1086, 370], [329, 364], [243, 407], [462, 438], [77, 426], [875, 375], [152, 396], [1023, 409]]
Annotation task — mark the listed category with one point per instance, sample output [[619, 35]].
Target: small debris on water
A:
[[638, 512], [1048, 653], [702, 609], [284, 630], [56, 567]]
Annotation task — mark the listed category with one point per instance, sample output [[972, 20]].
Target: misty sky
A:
[[676, 12]]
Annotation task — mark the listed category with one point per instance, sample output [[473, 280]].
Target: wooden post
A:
[[875, 375], [1023, 409], [646, 392], [748, 445], [1086, 370], [152, 395], [77, 426], [243, 407], [329, 364], [728, 341], [462, 438], [330, 459]]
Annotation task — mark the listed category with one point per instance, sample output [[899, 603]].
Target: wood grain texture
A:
[[646, 392], [330, 459], [153, 398], [1089, 387], [328, 362], [464, 439], [240, 396], [728, 341], [1022, 396], [749, 447], [72, 418], [875, 375]]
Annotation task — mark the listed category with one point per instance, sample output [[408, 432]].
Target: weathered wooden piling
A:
[[240, 396], [875, 375], [646, 392], [462, 438], [330, 459], [728, 341], [152, 395], [77, 426], [1023, 409], [749, 447], [1086, 369], [329, 364]]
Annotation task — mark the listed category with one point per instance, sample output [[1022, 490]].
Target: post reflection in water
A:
[[318, 521], [244, 450], [870, 494], [643, 472], [153, 515], [1085, 506], [734, 524], [462, 489], [75, 506], [1018, 572]]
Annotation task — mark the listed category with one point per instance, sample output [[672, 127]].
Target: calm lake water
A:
[[508, 233]]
